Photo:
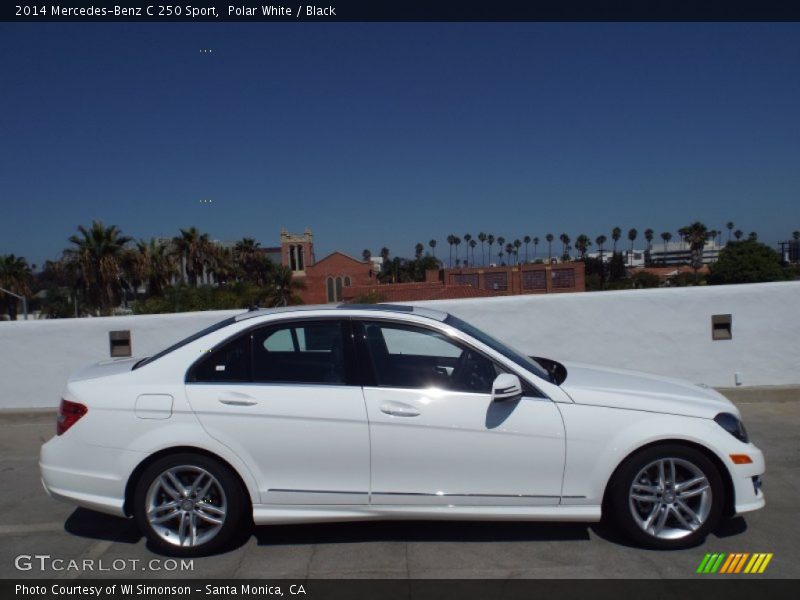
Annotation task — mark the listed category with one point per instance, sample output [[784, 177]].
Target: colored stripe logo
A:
[[737, 562]]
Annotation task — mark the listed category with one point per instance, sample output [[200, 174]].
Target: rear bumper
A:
[[90, 477]]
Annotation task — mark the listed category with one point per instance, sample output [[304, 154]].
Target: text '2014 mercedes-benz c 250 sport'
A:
[[314, 414]]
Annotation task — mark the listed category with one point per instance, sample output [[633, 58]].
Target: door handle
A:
[[397, 409], [238, 400]]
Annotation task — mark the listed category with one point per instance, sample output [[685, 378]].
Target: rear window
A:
[[188, 340]]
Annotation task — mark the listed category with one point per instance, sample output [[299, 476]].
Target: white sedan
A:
[[313, 414]]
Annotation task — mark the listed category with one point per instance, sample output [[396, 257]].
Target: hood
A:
[[603, 386], [104, 368]]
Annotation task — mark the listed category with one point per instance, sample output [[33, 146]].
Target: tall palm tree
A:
[[535, 246], [600, 240], [752, 236], [451, 240], [490, 241], [564, 243], [246, 256], [648, 235], [632, 234], [510, 251], [97, 252], [582, 243], [666, 236], [527, 240], [457, 242], [738, 234], [549, 238], [616, 234], [696, 236], [517, 243], [195, 250], [472, 244], [418, 250], [482, 239], [161, 267], [729, 226], [284, 289], [467, 238], [366, 255], [432, 244], [16, 277]]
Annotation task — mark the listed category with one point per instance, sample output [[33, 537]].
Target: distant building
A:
[[679, 253]]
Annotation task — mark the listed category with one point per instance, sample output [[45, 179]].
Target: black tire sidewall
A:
[[623, 478], [237, 505]]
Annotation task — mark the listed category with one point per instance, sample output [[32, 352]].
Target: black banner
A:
[[733, 588], [404, 10]]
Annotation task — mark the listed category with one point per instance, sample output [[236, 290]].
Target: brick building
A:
[[339, 277]]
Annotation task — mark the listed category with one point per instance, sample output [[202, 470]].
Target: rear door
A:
[[283, 397]]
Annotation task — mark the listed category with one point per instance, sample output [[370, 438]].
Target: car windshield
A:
[[188, 340], [523, 361]]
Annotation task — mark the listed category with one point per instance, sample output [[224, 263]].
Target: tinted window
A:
[[309, 352], [185, 341], [227, 363], [412, 357]]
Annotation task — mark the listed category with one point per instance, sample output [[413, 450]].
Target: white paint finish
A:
[[311, 442], [463, 449], [666, 331], [154, 406]]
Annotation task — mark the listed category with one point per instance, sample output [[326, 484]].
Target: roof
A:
[[387, 308]]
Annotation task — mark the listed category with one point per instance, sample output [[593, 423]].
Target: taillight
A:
[[68, 415]]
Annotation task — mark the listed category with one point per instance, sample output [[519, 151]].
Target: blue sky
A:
[[389, 134]]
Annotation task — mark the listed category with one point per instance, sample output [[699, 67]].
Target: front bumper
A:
[[748, 495]]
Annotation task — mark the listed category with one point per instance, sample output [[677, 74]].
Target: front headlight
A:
[[732, 425]]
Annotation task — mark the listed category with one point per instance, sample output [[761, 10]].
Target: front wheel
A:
[[667, 497], [189, 505]]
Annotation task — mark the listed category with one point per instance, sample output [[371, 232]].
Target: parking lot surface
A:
[[32, 524]]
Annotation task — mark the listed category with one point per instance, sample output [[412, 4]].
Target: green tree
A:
[[432, 244], [535, 246], [195, 250], [616, 234], [490, 241], [549, 238], [482, 237], [16, 277], [632, 234], [97, 253], [747, 261], [367, 255], [696, 235], [418, 250], [729, 226], [284, 289]]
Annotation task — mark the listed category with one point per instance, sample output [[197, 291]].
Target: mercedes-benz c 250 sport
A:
[[314, 414]]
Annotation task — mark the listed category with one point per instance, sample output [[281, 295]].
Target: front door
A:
[[436, 436]]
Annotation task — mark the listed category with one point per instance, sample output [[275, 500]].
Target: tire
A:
[[189, 505], [670, 509]]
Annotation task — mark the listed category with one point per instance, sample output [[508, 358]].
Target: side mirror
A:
[[506, 387]]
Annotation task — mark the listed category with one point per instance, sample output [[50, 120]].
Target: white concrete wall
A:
[[665, 331]]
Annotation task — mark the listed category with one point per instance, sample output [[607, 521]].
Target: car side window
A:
[[416, 357], [303, 352], [229, 362]]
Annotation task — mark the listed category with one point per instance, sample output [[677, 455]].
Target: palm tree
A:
[[284, 289], [738, 234], [696, 236], [549, 238], [648, 235], [15, 276], [472, 244], [564, 243], [729, 226], [366, 255], [490, 241], [600, 240], [501, 240], [752, 236], [432, 244], [616, 234], [582, 243], [457, 242], [796, 235], [161, 267], [535, 245], [97, 252], [467, 238], [526, 240], [666, 236], [509, 251], [632, 233], [482, 239], [451, 240], [517, 244], [418, 250], [195, 250], [246, 256]]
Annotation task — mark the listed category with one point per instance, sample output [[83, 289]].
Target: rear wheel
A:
[[189, 505], [667, 497]]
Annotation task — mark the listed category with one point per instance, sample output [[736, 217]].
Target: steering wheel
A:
[[468, 374]]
